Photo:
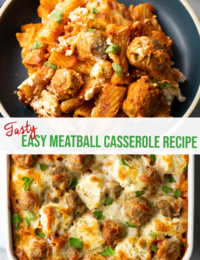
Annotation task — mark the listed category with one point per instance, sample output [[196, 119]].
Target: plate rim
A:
[[197, 24]]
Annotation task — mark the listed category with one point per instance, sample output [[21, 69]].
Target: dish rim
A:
[[190, 231], [197, 24]]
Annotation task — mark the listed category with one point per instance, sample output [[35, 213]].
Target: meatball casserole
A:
[[98, 58], [99, 207]]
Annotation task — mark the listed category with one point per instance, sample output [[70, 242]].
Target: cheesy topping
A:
[[135, 207]]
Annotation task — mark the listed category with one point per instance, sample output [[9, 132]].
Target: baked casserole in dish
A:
[[96, 207]]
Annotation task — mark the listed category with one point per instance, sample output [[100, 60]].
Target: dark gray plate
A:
[[172, 15]]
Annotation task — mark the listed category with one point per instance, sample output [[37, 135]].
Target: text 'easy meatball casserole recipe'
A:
[[99, 207], [97, 58]]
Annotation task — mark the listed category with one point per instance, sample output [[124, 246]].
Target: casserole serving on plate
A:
[[98, 59], [182, 27], [100, 207]]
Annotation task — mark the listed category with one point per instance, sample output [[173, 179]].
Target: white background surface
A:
[[156, 135], [196, 255]]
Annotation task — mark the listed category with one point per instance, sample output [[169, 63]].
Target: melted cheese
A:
[[78, 14], [46, 105], [113, 14], [173, 164], [87, 228], [102, 69], [91, 190], [55, 218]]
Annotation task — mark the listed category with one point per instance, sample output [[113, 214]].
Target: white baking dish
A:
[[191, 176]]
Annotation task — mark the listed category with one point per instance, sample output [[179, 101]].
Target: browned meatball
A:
[[80, 163], [92, 45], [34, 58], [60, 175], [168, 206], [161, 41], [143, 54], [143, 98], [37, 253], [28, 201], [112, 232], [151, 178], [65, 83], [128, 157], [73, 254], [53, 194], [114, 189], [138, 210], [74, 202], [39, 250], [25, 161], [170, 249], [21, 255]]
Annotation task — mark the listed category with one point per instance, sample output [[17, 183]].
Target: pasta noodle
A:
[[109, 101], [71, 103], [62, 60], [85, 110], [28, 34], [52, 29], [43, 13], [121, 36], [143, 12], [49, 4]]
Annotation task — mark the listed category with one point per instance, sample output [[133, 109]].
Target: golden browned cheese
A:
[[59, 241], [96, 257], [143, 98], [111, 12], [112, 232]]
